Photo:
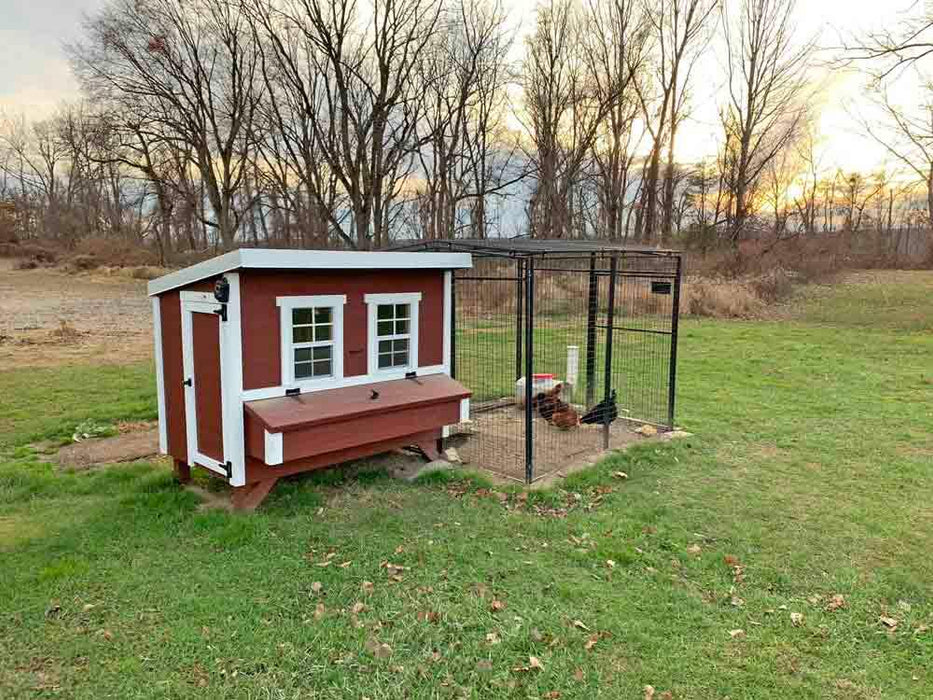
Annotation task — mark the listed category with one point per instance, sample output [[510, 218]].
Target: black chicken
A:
[[604, 412]]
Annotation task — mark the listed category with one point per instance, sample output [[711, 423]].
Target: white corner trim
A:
[[372, 339], [274, 392], [278, 259], [464, 410], [336, 303], [231, 377], [448, 317], [160, 373], [273, 448]]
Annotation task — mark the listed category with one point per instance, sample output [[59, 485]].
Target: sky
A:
[[35, 75]]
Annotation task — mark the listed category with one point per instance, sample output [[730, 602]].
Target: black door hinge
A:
[[228, 467], [222, 312], [188, 382]]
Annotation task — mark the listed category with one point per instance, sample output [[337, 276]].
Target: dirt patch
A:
[[122, 448], [494, 440], [50, 318]]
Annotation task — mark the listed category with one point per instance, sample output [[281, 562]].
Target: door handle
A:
[[188, 382]]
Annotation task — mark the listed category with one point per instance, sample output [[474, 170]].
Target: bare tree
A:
[[903, 43], [192, 66], [358, 88], [679, 29], [767, 83], [617, 43], [564, 109], [906, 133]]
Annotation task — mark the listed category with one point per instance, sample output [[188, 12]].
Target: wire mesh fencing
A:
[[566, 354]]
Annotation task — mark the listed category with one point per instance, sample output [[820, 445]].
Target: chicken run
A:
[[568, 347]]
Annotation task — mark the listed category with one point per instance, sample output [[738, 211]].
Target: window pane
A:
[[401, 327], [322, 368], [385, 361], [323, 333], [302, 334], [301, 316], [401, 311], [400, 359], [384, 328], [322, 314], [385, 346], [384, 311], [303, 370], [302, 354], [321, 353], [400, 345]]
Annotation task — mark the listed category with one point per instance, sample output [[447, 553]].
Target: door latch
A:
[[188, 382]]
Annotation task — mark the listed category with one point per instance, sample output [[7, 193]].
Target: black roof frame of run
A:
[[522, 247]]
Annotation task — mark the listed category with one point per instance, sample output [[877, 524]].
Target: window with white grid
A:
[[312, 338], [393, 332]]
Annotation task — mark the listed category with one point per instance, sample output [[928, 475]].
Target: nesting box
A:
[[273, 362]]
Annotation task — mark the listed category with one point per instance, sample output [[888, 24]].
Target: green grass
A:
[[810, 470]]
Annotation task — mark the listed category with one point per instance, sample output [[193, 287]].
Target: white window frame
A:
[[335, 302], [373, 301]]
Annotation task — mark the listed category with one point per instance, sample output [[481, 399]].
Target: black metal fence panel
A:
[[567, 354]]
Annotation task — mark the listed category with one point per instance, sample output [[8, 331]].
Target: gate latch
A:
[[222, 312]]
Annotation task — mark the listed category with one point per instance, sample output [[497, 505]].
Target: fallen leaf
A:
[[484, 665], [552, 695], [492, 638], [367, 587], [578, 675], [649, 692], [888, 622], [903, 605], [107, 634], [694, 549], [535, 663], [316, 587], [345, 564], [591, 641], [667, 695], [497, 605], [796, 618], [399, 549], [610, 563], [835, 603], [579, 625], [429, 616], [620, 475], [737, 634], [921, 629], [358, 608], [319, 611], [737, 602]]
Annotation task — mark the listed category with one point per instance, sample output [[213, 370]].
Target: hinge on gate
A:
[[222, 312], [228, 467]]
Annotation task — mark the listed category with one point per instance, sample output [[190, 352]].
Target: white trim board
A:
[[278, 259], [274, 392], [160, 373]]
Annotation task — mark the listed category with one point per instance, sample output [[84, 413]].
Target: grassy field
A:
[[785, 551]]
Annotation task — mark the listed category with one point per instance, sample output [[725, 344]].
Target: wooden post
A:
[[182, 472], [250, 496]]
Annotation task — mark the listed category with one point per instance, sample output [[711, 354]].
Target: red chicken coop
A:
[[274, 362]]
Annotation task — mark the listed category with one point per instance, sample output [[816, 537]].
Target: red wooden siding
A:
[[206, 337], [341, 419], [261, 333], [173, 375], [173, 368]]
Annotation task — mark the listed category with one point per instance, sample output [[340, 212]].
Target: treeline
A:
[[207, 124]]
